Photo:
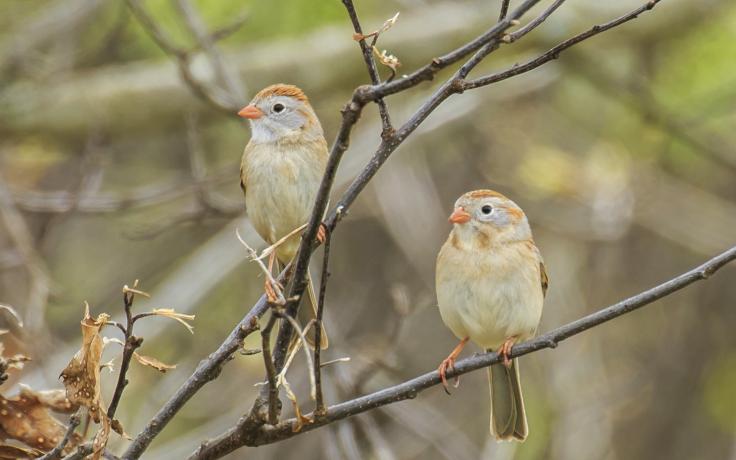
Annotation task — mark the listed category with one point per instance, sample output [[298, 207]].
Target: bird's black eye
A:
[[278, 107], [487, 209]]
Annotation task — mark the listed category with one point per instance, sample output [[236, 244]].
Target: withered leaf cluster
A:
[[27, 418]]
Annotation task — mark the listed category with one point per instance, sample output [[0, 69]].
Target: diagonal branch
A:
[[554, 53], [428, 71], [207, 370], [242, 435], [458, 84]]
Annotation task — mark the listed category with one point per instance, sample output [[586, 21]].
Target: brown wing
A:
[[545, 279], [242, 184]]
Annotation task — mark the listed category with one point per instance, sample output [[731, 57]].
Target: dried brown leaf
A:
[[389, 60], [55, 400], [180, 317], [8, 452], [386, 25], [154, 363], [26, 418], [82, 375]]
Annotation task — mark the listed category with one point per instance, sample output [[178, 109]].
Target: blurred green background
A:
[[621, 153]]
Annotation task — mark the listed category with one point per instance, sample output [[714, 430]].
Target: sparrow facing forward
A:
[[282, 168], [491, 284]]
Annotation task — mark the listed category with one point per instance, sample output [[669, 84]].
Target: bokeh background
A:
[[621, 152]]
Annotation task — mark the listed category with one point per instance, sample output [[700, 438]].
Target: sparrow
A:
[[281, 170], [491, 283]]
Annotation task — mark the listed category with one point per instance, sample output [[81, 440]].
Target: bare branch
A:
[[554, 53], [242, 435], [536, 22], [504, 9], [273, 390], [207, 370], [428, 71], [318, 397], [132, 343], [370, 63], [57, 451]]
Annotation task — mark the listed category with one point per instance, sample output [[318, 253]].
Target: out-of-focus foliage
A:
[[621, 153]]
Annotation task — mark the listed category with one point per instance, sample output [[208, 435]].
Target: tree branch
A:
[[207, 370], [243, 435], [554, 53], [318, 397], [428, 71], [58, 451], [131, 344], [504, 9], [273, 391], [371, 65]]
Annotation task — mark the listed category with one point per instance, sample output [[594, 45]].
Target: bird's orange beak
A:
[[459, 216], [251, 112]]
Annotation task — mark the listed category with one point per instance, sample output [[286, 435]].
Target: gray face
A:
[[282, 116], [489, 210], [494, 215]]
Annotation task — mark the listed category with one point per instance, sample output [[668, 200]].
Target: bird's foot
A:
[[449, 364], [505, 350], [272, 295], [322, 233]]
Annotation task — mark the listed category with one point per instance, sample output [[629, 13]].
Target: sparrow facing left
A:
[[491, 284], [281, 169]]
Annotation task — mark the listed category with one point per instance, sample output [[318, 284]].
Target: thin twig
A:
[[504, 9], [273, 390], [428, 71], [132, 343], [280, 300], [554, 52], [513, 36], [81, 453], [318, 396], [242, 435], [57, 451], [267, 251], [301, 333], [207, 370], [367, 51]]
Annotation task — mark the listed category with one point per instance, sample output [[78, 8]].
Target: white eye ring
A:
[[486, 210], [278, 107]]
